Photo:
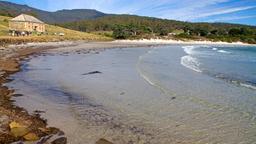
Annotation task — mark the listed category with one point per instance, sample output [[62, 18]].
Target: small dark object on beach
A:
[[103, 141], [93, 72], [173, 98], [122, 93]]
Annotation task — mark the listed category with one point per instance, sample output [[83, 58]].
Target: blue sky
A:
[[232, 11]]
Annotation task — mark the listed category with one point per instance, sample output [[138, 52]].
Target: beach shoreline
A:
[[10, 63], [171, 41]]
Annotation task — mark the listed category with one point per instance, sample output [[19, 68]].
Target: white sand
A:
[[162, 41]]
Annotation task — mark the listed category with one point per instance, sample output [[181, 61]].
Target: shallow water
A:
[[143, 95]]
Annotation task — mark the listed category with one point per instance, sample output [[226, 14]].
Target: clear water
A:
[[165, 94], [235, 64]]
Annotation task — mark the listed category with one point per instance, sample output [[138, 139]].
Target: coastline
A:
[[170, 41], [10, 62], [36, 128], [16, 123]]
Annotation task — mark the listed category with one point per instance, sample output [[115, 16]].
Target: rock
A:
[[31, 137], [61, 140], [93, 72], [15, 125], [17, 95], [18, 129], [44, 130], [103, 141]]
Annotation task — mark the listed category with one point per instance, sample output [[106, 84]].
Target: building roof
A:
[[26, 18]]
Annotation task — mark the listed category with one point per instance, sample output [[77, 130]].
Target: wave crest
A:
[[189, 49], [223, 51], [191, 63]]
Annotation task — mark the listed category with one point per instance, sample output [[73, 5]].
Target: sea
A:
[[159, 94]]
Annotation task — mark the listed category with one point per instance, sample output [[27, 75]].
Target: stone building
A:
[[25, 25]]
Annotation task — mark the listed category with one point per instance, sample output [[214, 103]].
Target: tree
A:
[[121, 32], [163, 32], [234, 32]]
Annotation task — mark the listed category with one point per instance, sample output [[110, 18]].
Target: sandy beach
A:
[[10, 63]]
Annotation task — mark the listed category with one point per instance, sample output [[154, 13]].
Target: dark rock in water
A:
[[39, 111], [93, 72], [103, 141], [62, 140], [17, 95]]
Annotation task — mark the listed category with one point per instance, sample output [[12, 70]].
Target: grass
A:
[[4, 25], [52, 35]]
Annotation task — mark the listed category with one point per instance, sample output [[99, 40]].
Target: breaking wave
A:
[[189, 49], [248, 86], [191, 63], [223, 51]]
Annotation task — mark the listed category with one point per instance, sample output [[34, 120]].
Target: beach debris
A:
[[61, 140], [122, 93], [93, 72], [103, 141], [31, 137], [173, 98], [18, 129]]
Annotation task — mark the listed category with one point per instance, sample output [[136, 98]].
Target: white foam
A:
[[214, 49], [141, 73], [189, 49], [191, 63], [248, 86], [223, 51]]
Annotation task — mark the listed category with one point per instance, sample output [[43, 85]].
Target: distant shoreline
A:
[[171, 41]]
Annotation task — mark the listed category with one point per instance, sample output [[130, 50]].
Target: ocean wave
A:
[[233, 80], [223, 51], [189, 49], [141, 73], [146, 78], [214, 49], [191, 63], [248, 86]]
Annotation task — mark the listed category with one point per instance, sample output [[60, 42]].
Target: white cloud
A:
[[186, 10], [230, 18], [224, 11]]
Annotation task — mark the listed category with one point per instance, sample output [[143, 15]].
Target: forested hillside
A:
[[129, 26]]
